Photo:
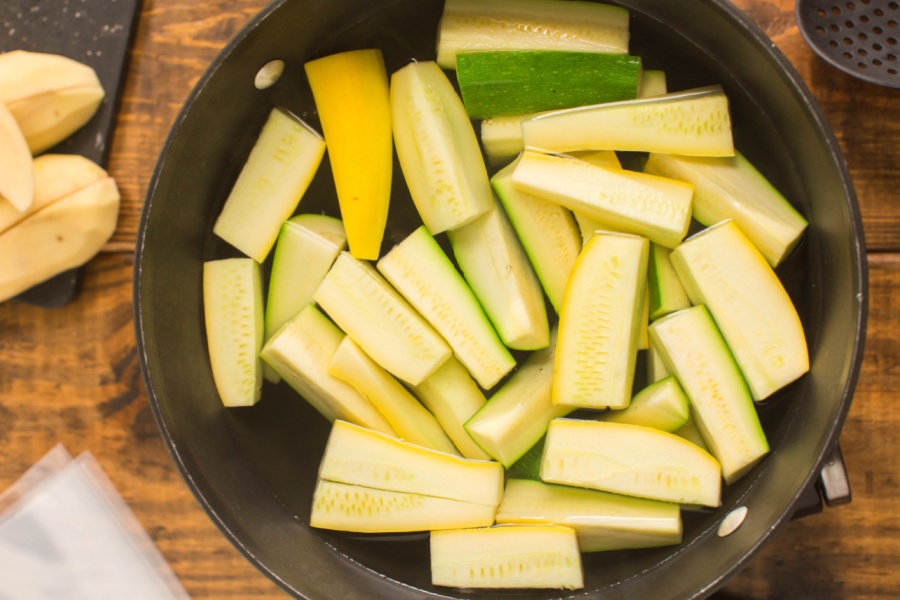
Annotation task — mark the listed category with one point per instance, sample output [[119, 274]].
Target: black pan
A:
[[253, 469]]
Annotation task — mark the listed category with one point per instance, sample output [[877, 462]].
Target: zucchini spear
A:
[[351, 94]]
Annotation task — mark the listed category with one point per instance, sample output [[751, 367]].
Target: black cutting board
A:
[[97, 33]]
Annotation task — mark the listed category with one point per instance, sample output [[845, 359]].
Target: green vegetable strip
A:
[[510, 83]]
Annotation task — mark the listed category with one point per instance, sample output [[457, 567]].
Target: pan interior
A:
[[254, 469]]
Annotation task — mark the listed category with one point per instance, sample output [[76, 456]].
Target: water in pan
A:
[[406, 31]]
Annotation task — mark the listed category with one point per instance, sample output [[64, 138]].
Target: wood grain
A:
[[71, 375]]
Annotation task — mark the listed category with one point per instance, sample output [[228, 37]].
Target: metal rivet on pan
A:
[[269, 74], [732, 521]]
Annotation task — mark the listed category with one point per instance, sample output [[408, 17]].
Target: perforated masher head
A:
[[859, 37]]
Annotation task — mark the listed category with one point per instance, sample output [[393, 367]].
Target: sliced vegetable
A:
[[600, 322], [602, 521], [654, 207], [693, 123], [17, 175], [300, 353], [600, 158], [547, 231], [653, 83], [501, 138], [666, 291], [514, 83], [409, 419], [492, 25], [233, 313], [656, 368], [722, 269], [509, 556], [661, 405], [359, 456], [732, 188], [378, 318], [691, 432], [453, 397], [517, 415], [51, 96], [631, 460], [643, 341], [418, 268], [62, 236], [361, 509], [351, 94], [437, 148], [307, 246], [498, 270], [502, 141], [271, 183], [694, 351], [55, 177], [529, 464]]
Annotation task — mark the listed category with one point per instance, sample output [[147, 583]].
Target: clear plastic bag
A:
[[66, 534]]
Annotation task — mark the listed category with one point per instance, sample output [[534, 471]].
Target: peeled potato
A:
[[55, 176], [64, 235], [50, 96], [16, 174]]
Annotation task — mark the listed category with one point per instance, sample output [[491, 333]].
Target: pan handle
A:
[[832, 489], [834, 483]]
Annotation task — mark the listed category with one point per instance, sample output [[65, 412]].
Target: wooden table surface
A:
[[71, 375]]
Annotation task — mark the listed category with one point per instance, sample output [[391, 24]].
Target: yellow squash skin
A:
[[351, 94]]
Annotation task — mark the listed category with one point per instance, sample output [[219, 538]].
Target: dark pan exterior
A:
[[253, 469]]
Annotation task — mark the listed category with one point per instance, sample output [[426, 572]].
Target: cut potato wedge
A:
[[62, 236], [17, 174]]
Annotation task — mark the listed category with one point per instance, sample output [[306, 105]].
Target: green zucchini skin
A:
[[512, 83], [661, 405], [418, 268], [499, 272], [548, 233], [667, 294]]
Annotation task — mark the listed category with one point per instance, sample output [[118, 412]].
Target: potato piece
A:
[[55, 177], [50, 96], [64, 235], [16, 173]]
